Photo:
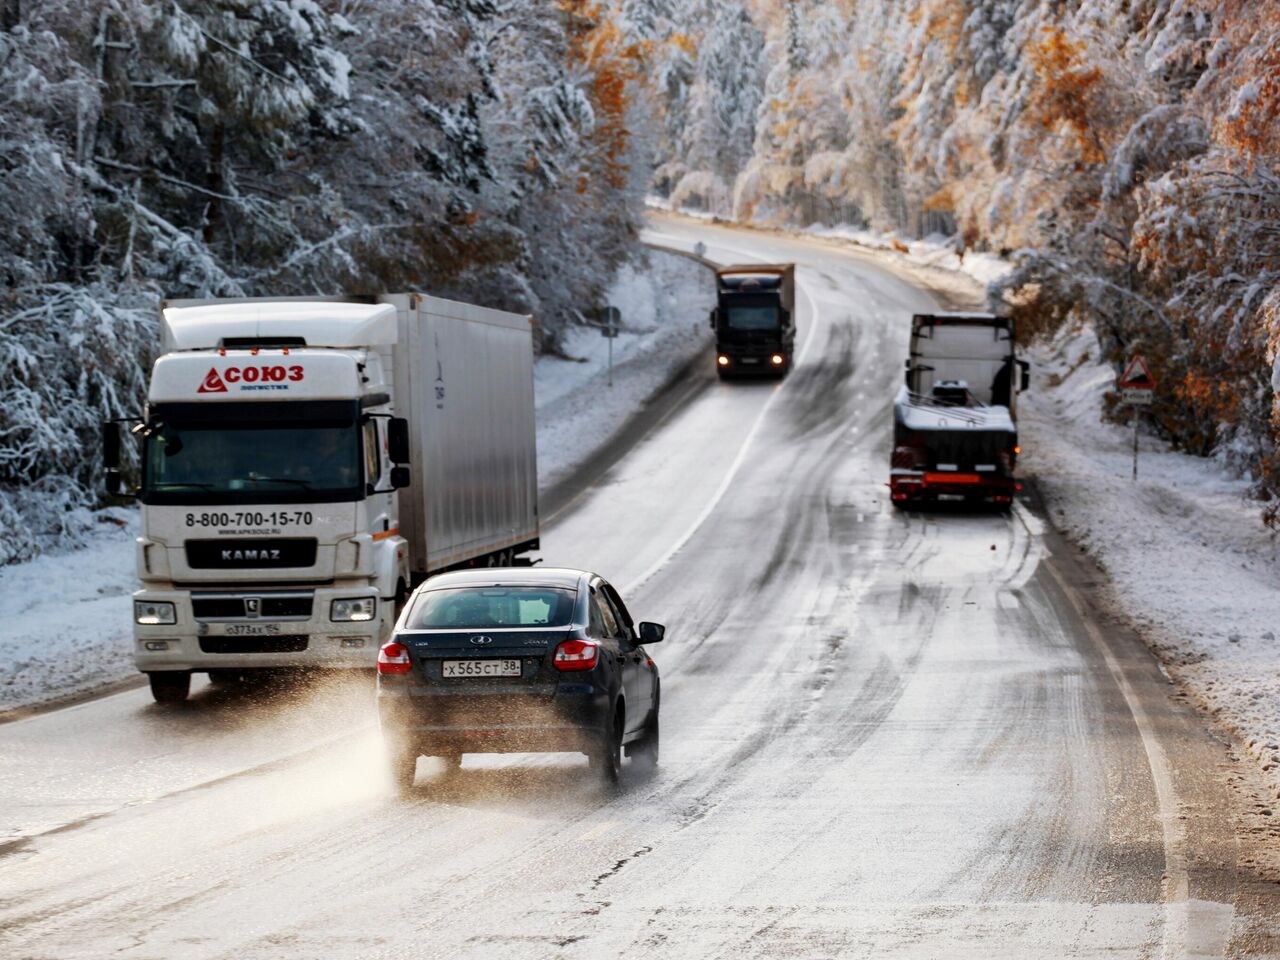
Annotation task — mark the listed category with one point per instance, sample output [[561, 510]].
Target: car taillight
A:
[[394, 658], [908, 456], [577, 655]]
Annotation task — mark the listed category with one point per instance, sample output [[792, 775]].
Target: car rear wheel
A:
[[170, 686], [606, 759], [402, 765]]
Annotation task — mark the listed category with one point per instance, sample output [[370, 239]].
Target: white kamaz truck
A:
[[306, 462]]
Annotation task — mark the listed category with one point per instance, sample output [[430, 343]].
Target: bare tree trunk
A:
[[214, 181], [10, 14]]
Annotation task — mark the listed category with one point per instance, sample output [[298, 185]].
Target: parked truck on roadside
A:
[[954, 426], [754, 320], [305, 463]]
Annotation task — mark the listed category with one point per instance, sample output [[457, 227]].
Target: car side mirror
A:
[[398, 440], [651, 632], [713, 319], [399, 478], [1025, 367]]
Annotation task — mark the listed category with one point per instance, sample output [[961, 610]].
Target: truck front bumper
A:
[[200, 644], [752, 362]]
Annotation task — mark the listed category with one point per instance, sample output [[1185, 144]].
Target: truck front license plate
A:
[[461, 669], [252, 629]]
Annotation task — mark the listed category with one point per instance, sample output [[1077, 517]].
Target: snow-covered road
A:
[[906, 735]]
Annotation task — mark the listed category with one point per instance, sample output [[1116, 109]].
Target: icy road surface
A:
[[885, 735]]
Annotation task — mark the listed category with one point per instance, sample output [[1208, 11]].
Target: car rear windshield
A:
[[487, 608]]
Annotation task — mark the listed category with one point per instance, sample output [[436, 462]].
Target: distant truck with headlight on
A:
[[955, 418], [305, 463], [754, 320]]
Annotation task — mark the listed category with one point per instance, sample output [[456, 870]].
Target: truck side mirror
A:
[[1025, 367], [111, 446], [785, 317], [399, 478], [398, 441], [713, 319]]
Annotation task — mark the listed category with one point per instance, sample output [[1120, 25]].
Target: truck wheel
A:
[[170, 686]]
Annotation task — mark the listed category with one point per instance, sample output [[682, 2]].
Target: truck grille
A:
[[281, 644], [237, 608], [246, 554]]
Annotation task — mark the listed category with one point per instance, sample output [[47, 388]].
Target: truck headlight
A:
[[357, 610], [153, 613]]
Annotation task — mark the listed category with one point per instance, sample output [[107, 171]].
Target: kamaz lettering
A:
[[251, 554]]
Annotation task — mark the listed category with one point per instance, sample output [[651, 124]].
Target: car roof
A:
[[564, 577]]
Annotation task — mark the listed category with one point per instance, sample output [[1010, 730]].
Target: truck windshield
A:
[[305, 452], [751, 316], [487, 608]]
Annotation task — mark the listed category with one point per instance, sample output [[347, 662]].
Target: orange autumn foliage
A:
[[1067, 89], [614, 63], [1253, 29]]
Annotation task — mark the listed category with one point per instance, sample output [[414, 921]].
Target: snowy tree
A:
[[474, 148]]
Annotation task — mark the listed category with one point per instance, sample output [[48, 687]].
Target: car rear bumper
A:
[[568, 721]]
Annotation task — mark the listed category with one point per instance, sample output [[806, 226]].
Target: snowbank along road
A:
[[886, 734]]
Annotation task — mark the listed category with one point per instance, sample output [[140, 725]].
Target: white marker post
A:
[[609, 329], [1138, 389]]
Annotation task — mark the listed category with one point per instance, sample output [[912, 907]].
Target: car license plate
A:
[[750, 360], [252, 629], [463, 669]]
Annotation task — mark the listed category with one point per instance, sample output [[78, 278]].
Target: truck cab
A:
[[754, 320]]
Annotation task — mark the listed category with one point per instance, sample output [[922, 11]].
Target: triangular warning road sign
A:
[[1137, 375]]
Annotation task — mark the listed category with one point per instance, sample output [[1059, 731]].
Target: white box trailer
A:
[[466, 373], [307, 461]]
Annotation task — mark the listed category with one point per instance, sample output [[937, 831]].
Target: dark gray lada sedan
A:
[[520, 660]]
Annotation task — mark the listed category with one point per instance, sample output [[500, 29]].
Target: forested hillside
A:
[[148, 148], [1122, 152]]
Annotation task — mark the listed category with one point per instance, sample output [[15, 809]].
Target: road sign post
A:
[[1138, 389], [611, 319]]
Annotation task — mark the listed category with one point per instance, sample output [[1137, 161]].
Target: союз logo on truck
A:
[[263, 377]]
